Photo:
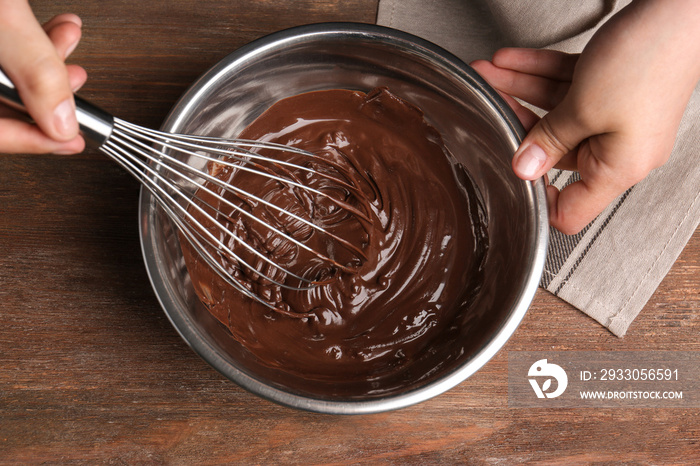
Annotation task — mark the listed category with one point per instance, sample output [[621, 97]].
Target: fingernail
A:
[[64, 118], [530, 161], [70, 49], [63, 152], [77, 88]]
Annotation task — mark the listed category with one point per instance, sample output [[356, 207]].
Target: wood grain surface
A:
[[91, 371]]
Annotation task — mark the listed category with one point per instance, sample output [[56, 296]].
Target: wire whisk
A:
[[179, 172]]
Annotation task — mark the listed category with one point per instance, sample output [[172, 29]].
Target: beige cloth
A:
[[612, 268]]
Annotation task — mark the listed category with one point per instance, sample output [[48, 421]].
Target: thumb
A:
[[30, 60], [557, 134]]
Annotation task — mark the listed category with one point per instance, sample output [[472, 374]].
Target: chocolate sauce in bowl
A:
[[422, 244]]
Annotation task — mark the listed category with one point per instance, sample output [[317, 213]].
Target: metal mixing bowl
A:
[[477, 127]]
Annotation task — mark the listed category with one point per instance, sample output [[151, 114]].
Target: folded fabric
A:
[[611, 269]]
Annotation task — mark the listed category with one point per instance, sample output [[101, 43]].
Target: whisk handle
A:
[[95, 123]]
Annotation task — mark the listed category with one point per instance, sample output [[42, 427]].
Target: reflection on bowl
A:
[[477, 128]]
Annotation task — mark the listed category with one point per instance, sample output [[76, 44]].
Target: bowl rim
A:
[[537, 210]]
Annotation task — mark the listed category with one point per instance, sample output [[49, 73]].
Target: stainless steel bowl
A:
[[478, 128]]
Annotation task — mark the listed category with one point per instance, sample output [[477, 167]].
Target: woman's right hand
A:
[[33, 58]]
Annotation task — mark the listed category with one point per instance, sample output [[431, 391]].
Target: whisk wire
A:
[[114, 148], [231, 149], [127, 161], [165, 202], [158, 156], [234, 149]]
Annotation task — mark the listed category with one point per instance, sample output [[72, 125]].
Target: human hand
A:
[[614, 111], [33, 58]]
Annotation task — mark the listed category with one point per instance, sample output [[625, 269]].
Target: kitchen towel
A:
[[611, 268]]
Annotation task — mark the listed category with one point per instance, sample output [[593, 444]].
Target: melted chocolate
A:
[[421, 246]]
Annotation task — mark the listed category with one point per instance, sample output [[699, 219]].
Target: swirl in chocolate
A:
[[417, 224]]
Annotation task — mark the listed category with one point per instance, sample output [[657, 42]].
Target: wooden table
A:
[[92, 371]]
